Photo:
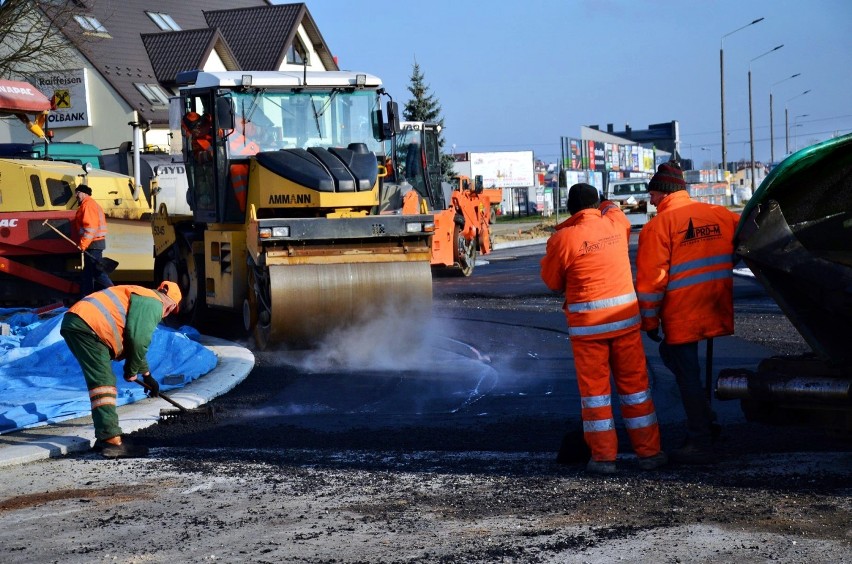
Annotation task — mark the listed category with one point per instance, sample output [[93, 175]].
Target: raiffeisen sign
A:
[[68, 92]]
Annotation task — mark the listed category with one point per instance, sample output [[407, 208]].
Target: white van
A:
[[632, 195]]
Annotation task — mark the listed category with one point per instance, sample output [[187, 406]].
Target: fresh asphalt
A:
[[234, 364]]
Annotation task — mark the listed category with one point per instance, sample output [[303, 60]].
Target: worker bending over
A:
[[114, 324]]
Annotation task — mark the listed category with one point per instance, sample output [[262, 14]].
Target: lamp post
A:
[[750, 114], [710, 154], [771, 120], [796, 131], [722, 85], [787, 121]]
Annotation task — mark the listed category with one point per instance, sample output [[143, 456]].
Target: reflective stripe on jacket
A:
[[90, 223], [239, 182], [106, 313], [587, 260], [684, 268]]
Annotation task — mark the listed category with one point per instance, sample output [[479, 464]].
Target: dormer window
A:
[[91, 24], [297, 54], [155, 95], [164, 21]]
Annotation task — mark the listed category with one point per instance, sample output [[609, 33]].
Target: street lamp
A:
[[796, 132], [771, 120], [722, 85], [787, 120], [710, 155], [750, 119]]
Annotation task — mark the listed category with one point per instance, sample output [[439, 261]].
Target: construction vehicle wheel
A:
[[179, 265], [257, 312], [465, 253]]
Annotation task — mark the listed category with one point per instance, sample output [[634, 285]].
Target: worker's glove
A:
[[654, 334], [152, 387], [130, 377]]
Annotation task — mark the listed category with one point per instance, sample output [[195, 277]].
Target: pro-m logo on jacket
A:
[[698, 233]]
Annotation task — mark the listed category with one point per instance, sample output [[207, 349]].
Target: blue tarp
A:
[[41, 381]]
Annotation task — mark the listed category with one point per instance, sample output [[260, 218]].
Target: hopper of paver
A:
[[795, 235]]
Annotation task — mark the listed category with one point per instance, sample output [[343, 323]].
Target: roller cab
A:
[[284, 173]]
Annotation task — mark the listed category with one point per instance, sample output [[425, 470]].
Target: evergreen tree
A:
[[423, 106]]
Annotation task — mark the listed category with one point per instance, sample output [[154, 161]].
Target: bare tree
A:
[[31, 36]]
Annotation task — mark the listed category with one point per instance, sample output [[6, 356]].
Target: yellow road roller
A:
[[285, 171]]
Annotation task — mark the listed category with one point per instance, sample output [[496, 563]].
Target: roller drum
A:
[[310, 301]]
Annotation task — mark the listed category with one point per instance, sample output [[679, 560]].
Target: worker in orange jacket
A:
[[90, 228], [114, 324], [684, 280], [198, 129], [240, 145], [587, 260]]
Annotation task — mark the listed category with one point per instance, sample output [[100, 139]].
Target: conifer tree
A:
[[424, 106]]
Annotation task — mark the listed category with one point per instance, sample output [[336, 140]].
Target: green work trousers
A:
[[94, 359]]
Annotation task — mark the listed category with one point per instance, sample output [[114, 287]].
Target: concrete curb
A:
[[78, 435], [519, 243]]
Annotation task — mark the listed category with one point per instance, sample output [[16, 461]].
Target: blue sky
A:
[[518, 75]]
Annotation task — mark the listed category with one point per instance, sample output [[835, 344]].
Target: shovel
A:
[[184, 414], [107, 265]]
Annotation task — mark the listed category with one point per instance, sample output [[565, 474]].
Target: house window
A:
[[155, 95], [297, 54], [164, 21], [91, 24]]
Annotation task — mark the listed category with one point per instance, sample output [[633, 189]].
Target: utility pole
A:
[[771, 124], [722, 86], [750, 113]]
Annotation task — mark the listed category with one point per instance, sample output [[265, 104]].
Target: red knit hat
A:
[[669, 178]]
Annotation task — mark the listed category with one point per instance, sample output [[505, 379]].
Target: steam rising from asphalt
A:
[[394, 340], [432, 370]]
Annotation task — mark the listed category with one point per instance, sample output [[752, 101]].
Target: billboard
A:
[[602, 157], [505, 169]]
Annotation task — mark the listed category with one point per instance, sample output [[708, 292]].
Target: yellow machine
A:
[[284, 175], [37, 264]]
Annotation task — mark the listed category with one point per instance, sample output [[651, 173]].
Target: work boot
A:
[[653, 462], [690, 453], [601, 467], [101, 443], [124, 450]]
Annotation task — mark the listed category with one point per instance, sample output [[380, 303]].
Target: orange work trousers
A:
[[625, 355]]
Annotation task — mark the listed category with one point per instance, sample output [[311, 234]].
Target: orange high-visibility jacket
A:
[[239, 145], [684, 268], [198, 129], [106, 313], [587, 260], [90, 223]]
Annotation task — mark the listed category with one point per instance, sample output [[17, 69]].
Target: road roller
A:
[[284, 172], [795, 234]]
